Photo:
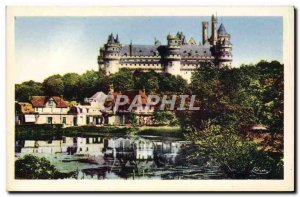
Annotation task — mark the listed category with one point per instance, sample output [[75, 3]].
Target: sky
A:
[[56, 45]]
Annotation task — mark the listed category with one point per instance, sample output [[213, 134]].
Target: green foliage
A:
[[53, 86], [148, 81], [236, 156], [240, 97], [151, 82], [71, 85], [164, 131], [38, 131], [32, 167], [122, 80], [164, 118], [213, 97], [47, 131], [132, 119], [172, 84], [91, 82], [77, 87], [231, 101], [27, 89], [272, 82]]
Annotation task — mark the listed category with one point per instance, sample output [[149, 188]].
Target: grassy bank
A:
[[46, 132], [164, 131]]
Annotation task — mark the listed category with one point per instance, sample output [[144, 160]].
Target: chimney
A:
[[204, 32], [130, 49], [214, 33]]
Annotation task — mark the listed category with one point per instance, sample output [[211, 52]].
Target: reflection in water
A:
[[122, 158]]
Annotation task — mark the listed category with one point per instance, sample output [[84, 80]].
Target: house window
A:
[[50, 102], [64, 120], [91, 119], [49, 120]]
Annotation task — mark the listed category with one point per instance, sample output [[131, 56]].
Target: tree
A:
[[122, 80], [27, 89], [231, 101], [172, 84], [53, 86], [272, 105], [227, 97], [164, 118], [32, 167], [148, 81], [133, 119], [91, 82], [212, 97], [239, 158], [71, 85]]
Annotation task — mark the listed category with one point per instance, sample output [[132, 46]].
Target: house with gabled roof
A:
[[51, 110]]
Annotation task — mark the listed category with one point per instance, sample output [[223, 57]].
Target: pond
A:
[[129, 157]]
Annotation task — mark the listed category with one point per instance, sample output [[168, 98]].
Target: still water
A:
[[131, 157]]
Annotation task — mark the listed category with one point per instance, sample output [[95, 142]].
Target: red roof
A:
[[40, 101], [131, 95]]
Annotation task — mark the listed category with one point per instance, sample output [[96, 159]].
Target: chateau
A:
[[178, 57]]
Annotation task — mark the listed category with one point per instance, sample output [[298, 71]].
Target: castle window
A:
[[204, 51]]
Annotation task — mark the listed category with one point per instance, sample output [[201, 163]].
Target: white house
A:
[[51, 110]]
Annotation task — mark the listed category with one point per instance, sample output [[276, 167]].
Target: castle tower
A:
[[172, 56], [223, 48], [109, 57], [214, 35], [204, 32]]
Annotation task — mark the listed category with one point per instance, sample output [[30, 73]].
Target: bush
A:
[[32, 167], [164, 118], [38, 131], [239, 158]]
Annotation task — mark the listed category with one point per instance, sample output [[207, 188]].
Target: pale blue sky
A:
[[51, 45]]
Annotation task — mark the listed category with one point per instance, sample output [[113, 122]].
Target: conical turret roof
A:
[[222, 30]]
